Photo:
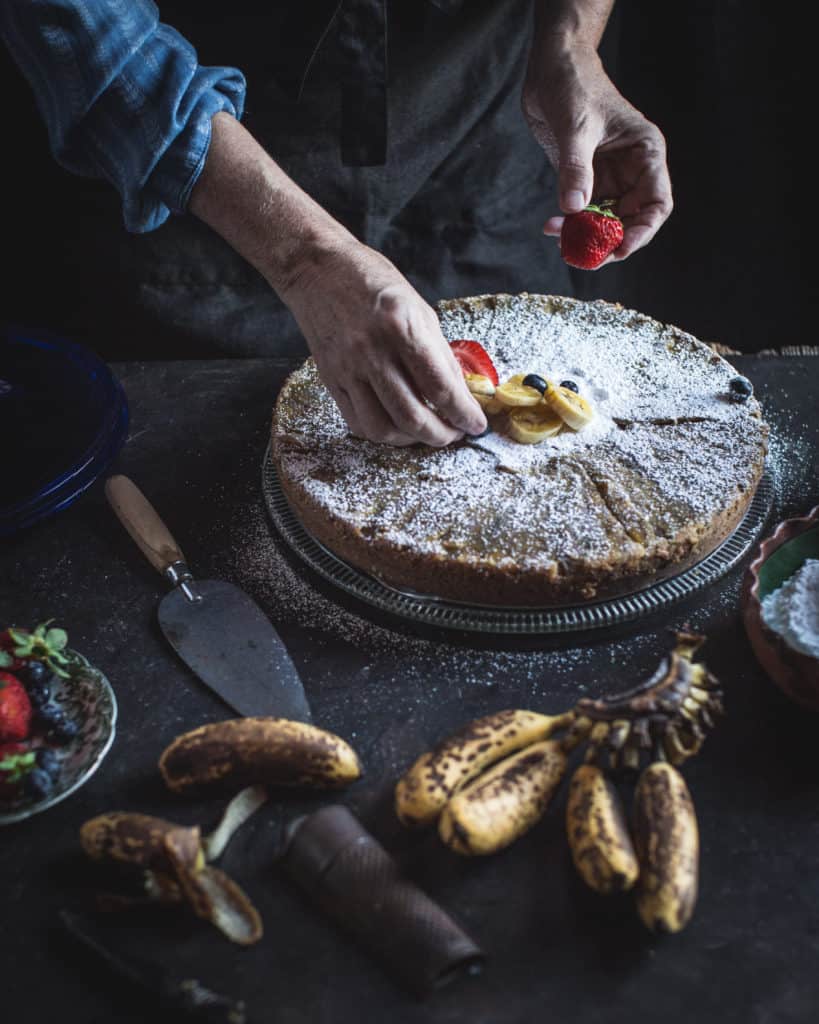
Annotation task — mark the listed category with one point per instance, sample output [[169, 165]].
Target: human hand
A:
[[380, 351], [600, 145]]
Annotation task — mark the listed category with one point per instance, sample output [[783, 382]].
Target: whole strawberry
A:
[[15, 708], [589, 236]]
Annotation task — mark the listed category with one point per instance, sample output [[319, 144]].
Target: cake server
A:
[[217, 629]]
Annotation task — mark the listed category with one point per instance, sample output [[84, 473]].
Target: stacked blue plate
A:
[[63, 419]]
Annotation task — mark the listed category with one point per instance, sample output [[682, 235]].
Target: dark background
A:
[[725, 81]]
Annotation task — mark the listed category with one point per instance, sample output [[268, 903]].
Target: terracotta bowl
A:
[[791, 544]]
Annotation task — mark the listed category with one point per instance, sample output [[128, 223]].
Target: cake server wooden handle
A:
[[142, 521]]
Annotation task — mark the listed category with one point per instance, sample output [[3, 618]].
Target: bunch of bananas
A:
[[490, 782]]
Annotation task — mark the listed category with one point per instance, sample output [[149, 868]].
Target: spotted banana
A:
[[666, 838], [423, 791], [245, 751], [601, 846], [170, 862], [504, 802]]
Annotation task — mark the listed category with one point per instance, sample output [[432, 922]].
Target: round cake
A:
[[660, 476]]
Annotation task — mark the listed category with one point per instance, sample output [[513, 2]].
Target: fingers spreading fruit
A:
[[530, 408], [590, 236]]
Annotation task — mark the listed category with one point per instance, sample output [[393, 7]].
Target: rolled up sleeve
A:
[[122, 95]]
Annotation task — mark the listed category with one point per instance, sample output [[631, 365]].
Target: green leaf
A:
[[56, 639], [6, 660], [16, 765], [782, 563]]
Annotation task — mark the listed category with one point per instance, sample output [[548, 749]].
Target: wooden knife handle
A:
[[142, 521]]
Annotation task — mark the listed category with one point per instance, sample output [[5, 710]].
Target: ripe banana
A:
[[667, 842], [244, 751], [599, 838], [139, 841], [504, 802], [171, 862], [422, 792]]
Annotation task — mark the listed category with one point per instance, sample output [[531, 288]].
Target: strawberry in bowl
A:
[[57, 717]]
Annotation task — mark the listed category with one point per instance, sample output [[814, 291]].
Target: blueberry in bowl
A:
[[57, 720]]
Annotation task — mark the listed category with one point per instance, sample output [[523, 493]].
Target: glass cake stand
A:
[[435, 611]]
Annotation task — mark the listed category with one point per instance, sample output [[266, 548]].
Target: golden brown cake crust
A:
[[662, 475]]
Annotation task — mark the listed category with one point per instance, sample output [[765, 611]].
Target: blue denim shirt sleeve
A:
[[122, 95]]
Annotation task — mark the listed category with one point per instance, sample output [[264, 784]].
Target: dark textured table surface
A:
[[555, 951]]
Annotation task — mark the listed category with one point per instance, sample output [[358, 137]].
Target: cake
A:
[[659, 478]]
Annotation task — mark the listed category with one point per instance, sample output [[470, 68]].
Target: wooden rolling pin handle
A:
[[142, 521]]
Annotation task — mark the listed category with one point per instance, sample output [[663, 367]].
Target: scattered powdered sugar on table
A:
[[562, 667], [792, 610], [794, 464]]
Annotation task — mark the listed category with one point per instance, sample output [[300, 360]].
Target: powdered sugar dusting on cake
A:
[[666, 444]]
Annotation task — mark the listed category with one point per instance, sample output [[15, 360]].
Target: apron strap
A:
[[362, 54], [362, 40]]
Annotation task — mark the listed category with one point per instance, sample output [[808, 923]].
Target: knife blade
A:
[[216, 628], [174, 991]]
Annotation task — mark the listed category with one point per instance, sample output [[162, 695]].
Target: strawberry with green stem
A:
[[44, 644]]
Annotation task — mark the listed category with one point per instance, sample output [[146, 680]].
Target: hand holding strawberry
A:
[[599, 144]]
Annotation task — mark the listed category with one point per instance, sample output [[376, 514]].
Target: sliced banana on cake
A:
[[479, 384], [514, 393], [573, 409], [483, 390], [533, 424]]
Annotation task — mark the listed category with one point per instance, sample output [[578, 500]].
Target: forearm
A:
[[122, 95], [245, 196], [568, 25]]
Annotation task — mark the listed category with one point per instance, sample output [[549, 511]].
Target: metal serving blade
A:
[[231, 645], [214, 626]]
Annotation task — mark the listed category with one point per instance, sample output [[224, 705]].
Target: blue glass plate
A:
[[63, 419]]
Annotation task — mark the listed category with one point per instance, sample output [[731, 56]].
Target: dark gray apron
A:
[[458, 204]]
